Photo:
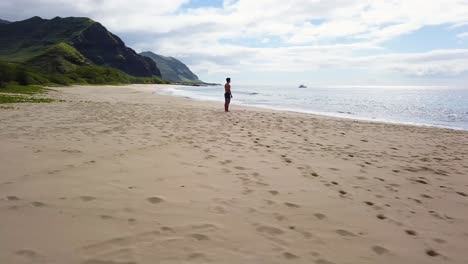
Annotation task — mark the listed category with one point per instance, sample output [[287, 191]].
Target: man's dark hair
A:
[[228, 79]]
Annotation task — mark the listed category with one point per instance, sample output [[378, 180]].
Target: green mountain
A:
[[172, 69], [60, 58], [62, 45]]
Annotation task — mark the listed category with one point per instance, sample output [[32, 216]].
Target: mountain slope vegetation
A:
[[26, 40]]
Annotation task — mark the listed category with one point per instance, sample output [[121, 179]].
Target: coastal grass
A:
[[7, 107], [27, 75], [12, 99], [22, 89]]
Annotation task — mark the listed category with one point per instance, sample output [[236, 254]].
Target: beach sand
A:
[[118, 175]]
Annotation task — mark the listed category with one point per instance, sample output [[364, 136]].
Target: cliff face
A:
[[172, 69], [106, 49], [21, 41]]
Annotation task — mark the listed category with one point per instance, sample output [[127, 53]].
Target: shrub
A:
[[22, 76]]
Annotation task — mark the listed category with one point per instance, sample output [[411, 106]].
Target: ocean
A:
[[445, 107]]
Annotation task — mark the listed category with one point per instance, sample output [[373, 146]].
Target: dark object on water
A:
[[302, 86]]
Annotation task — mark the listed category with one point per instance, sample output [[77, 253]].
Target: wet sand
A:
[[118, 175]]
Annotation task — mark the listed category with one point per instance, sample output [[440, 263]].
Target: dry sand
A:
[[117, 175]]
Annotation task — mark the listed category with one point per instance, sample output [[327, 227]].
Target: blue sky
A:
[[298, 41], [202, 4], [429, 38]]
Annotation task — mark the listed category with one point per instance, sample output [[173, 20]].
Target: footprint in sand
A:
[[270, 230], [31, 255], [320, 216], [314, 174], [323, 261], [196, 255], [293, 205], [87, 198], [204, 226], [381, 217], [53, 172], [105, 217], [218, 210], [410, 232], [306, 234], [440, 241], [247, 191], [345, 233], [200, 237], [167, 229], [38, 204], [155, 200], [288, 255], [426, 196], [100, 261], [13, 198], [273, 192], [421, 181], [225, 162], [280, 217], [210, 157], [432, 253], [380, 250]]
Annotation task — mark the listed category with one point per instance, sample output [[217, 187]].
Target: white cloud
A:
[[435, 63], [309, 34]]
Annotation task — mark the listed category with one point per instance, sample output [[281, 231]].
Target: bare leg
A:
[[226, 105]]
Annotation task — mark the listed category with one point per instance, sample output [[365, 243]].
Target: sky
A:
[[342, 42]]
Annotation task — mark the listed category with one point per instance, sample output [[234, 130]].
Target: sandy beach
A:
[[118, 175]]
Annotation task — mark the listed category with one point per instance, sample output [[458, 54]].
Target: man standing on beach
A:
[[227, 94]]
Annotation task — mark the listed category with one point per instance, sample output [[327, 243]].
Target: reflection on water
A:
[[436, 106]]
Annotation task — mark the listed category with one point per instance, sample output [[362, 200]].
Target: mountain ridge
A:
[[23, 40], [172, 69]]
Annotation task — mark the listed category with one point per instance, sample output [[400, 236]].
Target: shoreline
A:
[[118, 175], [315, 113]]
